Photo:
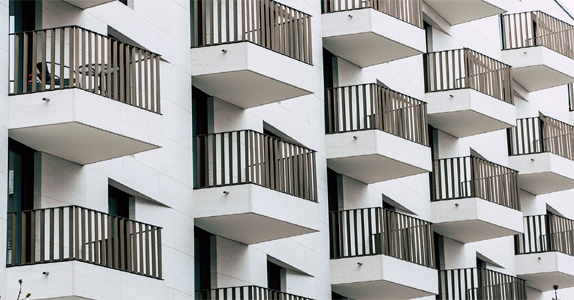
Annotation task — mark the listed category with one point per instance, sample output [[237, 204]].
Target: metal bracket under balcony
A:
[[467, 92], [474, 200], [381, 254], [357, 30], [479, 283], [376, 134], [545, 252], [540, 48], [251, 187], [457, 12], [542, 150]]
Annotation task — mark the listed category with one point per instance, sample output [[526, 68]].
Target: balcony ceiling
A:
[[457, 11]]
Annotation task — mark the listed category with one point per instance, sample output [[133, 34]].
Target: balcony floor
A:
[[543, 173], [542, 270]]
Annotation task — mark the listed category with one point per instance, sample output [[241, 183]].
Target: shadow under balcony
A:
[[479, 283], [473, 199], [545, 252], [457, 12], [251, 187], [467, 92], [357, 30], [84, 250], [83, 4], [542, 150], [67, 99], [245, 292], [381, 254], [252, 53], [540, 48], [376, 134]]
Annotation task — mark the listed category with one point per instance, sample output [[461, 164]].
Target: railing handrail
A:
[[85, 208], [253, 286], [481, 159], [546, 233], [475, 52], [541, 134], [257, 132]]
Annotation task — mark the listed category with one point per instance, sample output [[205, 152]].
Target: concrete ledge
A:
[[457, 12], [542, 270], [543, 173]]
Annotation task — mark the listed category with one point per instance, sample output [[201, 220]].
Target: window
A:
[[118, 202], [202, 241], [275, 274]]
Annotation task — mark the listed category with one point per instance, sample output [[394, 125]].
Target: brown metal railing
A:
[[242, 157], [266, 23], [545, 233], [467, 69], [371, 106], [375, 231], [75, 233], [541, 134], [479, 283], [466, 177], [535, 28], [251, 292], [571, 96], [74, 57], [410, 11]]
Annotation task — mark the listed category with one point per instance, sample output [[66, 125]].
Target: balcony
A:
[[83, 4], [542, 150], [86, 245], [245, 292], [252, 188], [63, 92], [457, 12], [474, 199], [545, 252], [467, 92], [376, 134], [479, 283], [251, 53], [357, 30], [381, 254], [540, 48]]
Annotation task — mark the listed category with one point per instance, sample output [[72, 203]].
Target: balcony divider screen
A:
[[243, 157], [371, 106], [535, 28], [246, 292], [74, 57], [545, 233], [479, 283], [75, 233], [466, 177], [467, 69], [266, 23], [410, 11], [375, 231], [541, 134]]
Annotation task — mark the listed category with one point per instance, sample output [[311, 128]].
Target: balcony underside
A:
[[543, 270], [543, 173], [82, 127], [382, 277], [252, 214], [456, 12], [375, 156], [538, 68], [248, 75], [468, 112], [360, 39], [472, 219], [83, 4]]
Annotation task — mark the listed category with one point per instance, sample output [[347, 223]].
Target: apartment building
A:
[[287, 149]]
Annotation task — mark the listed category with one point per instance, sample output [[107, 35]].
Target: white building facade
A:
[[287, 149]]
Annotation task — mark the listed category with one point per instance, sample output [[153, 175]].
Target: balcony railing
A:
[[243, 157], [75, 233], [466, 177], [371, 106], [541, 134], [74, 57], [410, 11], [546, 233], [571, 96], [479, 283], [376, 231], [535, 28], [266, 23], [467, 69], [245, 292]]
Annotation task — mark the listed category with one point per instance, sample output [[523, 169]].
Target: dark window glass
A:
[[118, 202], [273, 276], [202, 240]]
